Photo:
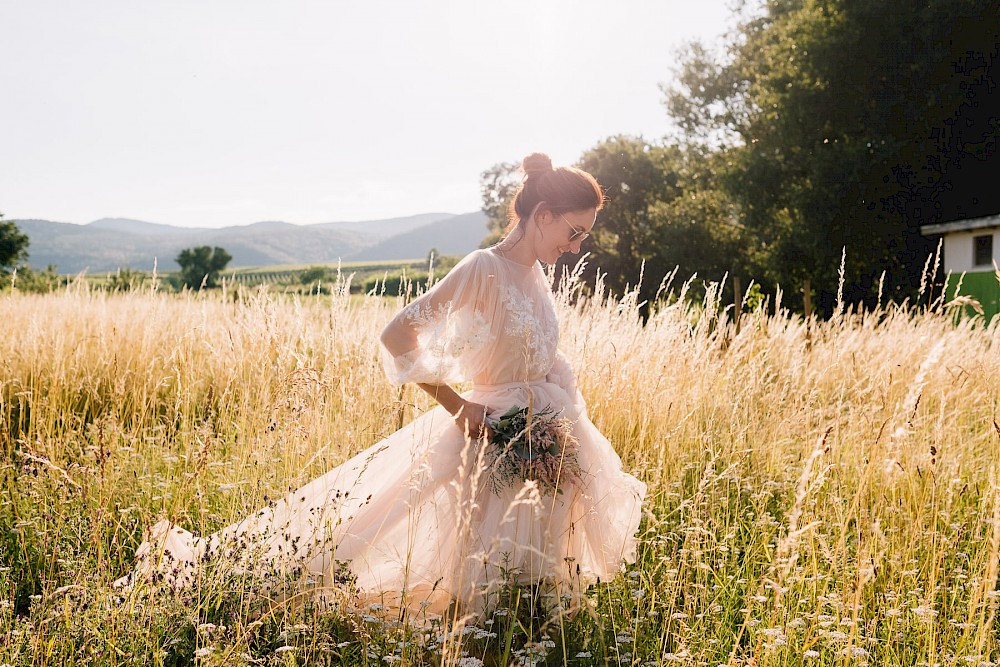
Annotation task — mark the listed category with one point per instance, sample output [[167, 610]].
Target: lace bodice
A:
[[490, 320]]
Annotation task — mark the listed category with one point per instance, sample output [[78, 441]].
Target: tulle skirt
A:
[[413, 522]]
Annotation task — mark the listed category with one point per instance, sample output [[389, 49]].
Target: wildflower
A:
[[638, 593], [810, 654], [284, 649], [204, 652], [584, 654], [470, 662]]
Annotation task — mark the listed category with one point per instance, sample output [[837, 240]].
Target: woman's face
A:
[[563, 232]]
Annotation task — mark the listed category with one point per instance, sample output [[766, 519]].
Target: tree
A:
[[848, 124], [498, 184], [200, 267], [313, 275], [13, 245], [663, 212]]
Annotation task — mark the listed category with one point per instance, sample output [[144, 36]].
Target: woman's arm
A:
[[469, 417], [398, 339]]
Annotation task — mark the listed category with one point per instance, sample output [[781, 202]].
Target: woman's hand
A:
[[471, 419]]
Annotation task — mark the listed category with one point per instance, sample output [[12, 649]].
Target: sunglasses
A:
[[578, 234]]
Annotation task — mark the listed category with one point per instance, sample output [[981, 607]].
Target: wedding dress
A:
[[413, 522]]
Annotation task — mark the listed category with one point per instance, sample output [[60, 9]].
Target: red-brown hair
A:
[[564, 189]]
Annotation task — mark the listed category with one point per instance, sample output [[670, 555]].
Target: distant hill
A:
[[112, 243], [137, 227], [457, 235]]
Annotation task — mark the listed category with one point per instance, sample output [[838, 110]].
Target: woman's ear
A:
[[543, 215]]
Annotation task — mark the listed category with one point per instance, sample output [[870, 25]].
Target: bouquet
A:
[[532, 445]]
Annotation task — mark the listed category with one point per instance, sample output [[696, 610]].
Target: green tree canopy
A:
[[201, 266], [13, 245], [313, 274], [498, 184], [663, 212], [849, 123]]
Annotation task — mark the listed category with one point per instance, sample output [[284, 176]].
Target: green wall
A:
[[982, 286]]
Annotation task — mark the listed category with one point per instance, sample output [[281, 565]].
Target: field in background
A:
[[384, 276], [820, 493], [291, 275]]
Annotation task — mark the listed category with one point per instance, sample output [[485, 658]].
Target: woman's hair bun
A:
[[535, 164], [562, 190]]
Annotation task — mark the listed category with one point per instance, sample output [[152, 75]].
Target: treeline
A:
[[825, 128]]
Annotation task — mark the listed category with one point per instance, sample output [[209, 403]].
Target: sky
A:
[[211, 113]]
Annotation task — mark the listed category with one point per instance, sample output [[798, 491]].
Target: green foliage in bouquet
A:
[[532, 445]]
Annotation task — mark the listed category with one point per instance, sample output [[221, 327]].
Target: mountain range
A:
[[112, 243]]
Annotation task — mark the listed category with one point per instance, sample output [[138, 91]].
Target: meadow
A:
[[820, 492]]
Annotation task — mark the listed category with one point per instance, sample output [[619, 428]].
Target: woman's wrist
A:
[[446, 397]]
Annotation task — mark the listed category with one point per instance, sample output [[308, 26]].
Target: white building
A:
[[971, 254]]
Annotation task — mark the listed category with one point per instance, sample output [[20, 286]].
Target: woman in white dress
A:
[[415, 522]]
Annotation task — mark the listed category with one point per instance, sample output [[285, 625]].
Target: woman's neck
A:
[[517, 248]]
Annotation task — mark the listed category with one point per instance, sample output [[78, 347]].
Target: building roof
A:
[[988, 222]]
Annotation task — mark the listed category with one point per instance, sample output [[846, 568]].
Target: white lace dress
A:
[[412, 521]]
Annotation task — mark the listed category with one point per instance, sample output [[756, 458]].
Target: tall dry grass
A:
[[820, 492]]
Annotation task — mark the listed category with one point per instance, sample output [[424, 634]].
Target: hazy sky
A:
[[221, 112]]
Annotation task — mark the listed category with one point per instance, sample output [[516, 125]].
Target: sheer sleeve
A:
[[442, 336]]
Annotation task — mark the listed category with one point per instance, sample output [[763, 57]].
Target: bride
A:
[[418, 521]]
